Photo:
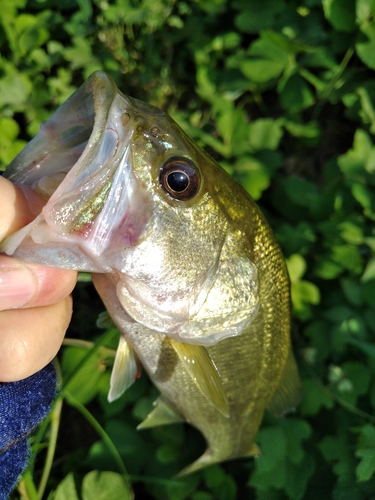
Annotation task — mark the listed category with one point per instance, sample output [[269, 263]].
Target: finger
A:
[[19, 206], [30, 338], [24, 284]]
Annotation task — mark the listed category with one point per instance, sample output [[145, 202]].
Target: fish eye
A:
[[180, 178]]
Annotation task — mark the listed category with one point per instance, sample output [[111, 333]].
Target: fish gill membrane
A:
[[181, 256]]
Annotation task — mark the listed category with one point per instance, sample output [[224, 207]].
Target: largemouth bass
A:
[[183, 259]]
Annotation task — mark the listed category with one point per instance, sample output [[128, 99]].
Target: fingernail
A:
[[17, 288]]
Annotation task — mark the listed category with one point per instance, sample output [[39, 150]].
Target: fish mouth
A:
[[80, 163]]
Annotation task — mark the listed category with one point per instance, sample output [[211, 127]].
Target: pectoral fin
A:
[[125, 370], [162, 414], [203, 371], [288, 392]]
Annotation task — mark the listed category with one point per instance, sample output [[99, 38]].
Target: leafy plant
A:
[[282, 94]]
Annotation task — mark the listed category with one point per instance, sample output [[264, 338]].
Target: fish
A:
[[183, 259]]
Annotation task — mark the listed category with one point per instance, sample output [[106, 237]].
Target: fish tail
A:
[[210, 458]]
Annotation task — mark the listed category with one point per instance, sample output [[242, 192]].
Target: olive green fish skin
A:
[[251, 365], [204, 272]]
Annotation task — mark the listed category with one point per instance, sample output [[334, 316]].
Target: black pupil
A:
[[178, 181]]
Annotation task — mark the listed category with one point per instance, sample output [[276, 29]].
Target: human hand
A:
[[35, 302]]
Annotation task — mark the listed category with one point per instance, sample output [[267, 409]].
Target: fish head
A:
[[130, 195]]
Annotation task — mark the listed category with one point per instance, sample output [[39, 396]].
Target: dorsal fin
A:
[[162, 414], [124, 371], [288, 393], [203, 371]]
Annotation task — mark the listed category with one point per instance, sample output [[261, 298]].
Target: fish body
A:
[[183, 259]]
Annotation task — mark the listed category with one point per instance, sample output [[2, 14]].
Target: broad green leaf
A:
[[336, 449], [340, 13], [365, 347], [253, 175], [66, 490], [310, 130], [167, 453], [351, 233], [180, 489], [366, 52], [202, 495], [255, 16], [80, 54], [206, 88], [30, 33], [356, 157], [9, 152], [266, 60], [318, 331], [352, 383], [365, 197], [338, 313], [352, 290], [366, 452], [297, 431], [364, 9], [84, 384], [221, 484], [295, 94], [314, 398], [298, 476], [348, 257], [105, 485], [265, 134], [232, 126], [296, 267], [15, 90], [284, 460], [369, 272], [261, 70], [304, 294], [301, 191], [9, 130]]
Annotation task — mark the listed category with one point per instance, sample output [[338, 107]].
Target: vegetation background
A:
[[282, 94]]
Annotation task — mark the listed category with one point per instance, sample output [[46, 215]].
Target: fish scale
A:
[[182, 257]]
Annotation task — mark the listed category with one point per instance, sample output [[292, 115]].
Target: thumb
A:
[[35, 307], [19, 206]]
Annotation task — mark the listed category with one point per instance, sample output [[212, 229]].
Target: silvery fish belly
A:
[[183, 259]]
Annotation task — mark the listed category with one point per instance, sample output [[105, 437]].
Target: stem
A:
[[55, 423], [352, 409], [105, 338], [332, 82], [87, 345], [102, 433], [341, 402], [27, 487]]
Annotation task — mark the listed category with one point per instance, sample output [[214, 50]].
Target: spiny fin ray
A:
[[203, 371], [162, 414]]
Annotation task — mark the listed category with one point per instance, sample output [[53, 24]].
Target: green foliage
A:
[[281, 93], [95, 486]]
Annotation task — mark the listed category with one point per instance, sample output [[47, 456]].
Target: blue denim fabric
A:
[[23, 405]]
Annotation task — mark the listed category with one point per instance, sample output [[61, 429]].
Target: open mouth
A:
[[80, 163]]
